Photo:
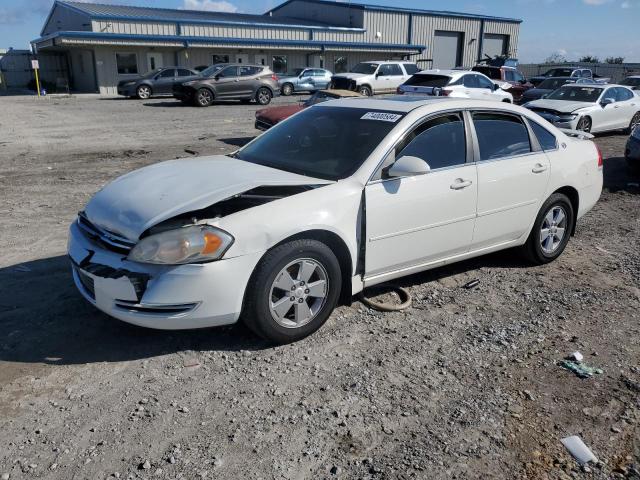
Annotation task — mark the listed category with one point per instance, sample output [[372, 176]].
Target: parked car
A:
[[632, 150], [590, 108], [229, 82], [456, 84], [370, 78], [545, 88], [157, 82], [344, 195], [511, 76], [573, 72], [268, 117], [305, 80], [633, 81]]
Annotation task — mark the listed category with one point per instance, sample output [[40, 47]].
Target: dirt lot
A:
[[462, 385]]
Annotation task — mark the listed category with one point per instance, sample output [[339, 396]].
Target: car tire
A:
[[635, 121], [585, 124], [278, 307], [551, 231], [264, 96], [365, 90], [143, 92], [203, 97], [287, 89]]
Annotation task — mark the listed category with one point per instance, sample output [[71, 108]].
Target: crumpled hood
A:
[[562, 106], [133, 203], [277, 114], [352, 76]]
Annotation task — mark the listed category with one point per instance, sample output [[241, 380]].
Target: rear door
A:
[[628, 105], [472, 86], [321, 79], [513, 173], [420, 219], [163, 83]]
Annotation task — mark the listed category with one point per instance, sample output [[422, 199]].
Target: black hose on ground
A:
[[405, 298]]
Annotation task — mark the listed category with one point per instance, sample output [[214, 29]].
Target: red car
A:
[[268, 117], [505, 73]]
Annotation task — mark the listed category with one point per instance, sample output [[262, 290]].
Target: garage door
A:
[[447, 49], [495, 44]]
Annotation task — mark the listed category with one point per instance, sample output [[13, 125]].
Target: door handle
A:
[[460, 183], [539, 168]]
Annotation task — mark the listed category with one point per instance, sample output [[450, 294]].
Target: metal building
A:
[[103, 44]]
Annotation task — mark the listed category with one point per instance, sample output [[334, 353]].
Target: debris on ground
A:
[[576, 357], [582, 370], [579, 450], [471, 284]]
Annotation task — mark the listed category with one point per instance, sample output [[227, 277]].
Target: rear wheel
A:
[[635, 121], [293, 291], [263, 96], [287, 89], [365, 90], [143, 92], [584, 124], [204, 97], [551, 230]]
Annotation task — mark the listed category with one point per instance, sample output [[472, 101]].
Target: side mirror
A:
[[216, 78], [408, 166], [495, 87], [606, 101]]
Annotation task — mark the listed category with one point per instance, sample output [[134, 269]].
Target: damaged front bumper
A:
[[159, 296]]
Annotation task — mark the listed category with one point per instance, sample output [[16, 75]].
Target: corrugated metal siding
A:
[[341, 15], [424, 28], [134, 28], [64, 18], [244, 32], [392, 26], [504, 28]]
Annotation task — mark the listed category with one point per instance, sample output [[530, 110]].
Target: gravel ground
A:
[[465, 384]]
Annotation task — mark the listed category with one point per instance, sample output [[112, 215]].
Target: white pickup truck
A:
[[369, 78]]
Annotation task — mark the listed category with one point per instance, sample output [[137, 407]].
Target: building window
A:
[[219, 58], [280, 64], [340, 65], [127, 63]]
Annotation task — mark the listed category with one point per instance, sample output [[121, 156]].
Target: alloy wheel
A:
[[204, 97], [553, 229], [584, 124], [298, 293], [264, 96], [287, 89], [144, 92], [635, 121]]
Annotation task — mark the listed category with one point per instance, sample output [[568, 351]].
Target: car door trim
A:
[[422, 228]]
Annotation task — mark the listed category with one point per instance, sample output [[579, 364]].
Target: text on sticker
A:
[[381, 116]]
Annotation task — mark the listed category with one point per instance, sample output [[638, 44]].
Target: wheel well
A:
[[263, 86], [287, 83], [574, 198], [341, 252], [365, 85], [205, 88]]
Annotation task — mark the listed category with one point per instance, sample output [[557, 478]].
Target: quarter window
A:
[[500, 135], [622, 94], [249, 71], [546, 139], [410, 68], [127, 63], [440, 142], [279, 63]]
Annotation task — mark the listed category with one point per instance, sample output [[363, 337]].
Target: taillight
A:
[[445, 93], [274, 77], [600, 161]]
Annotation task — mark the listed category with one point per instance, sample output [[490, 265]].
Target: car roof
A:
[[408, 103], [388, 61], [438, 71]]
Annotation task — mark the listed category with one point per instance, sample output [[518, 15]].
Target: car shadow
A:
[[236, 141], [618, 177], [45, 320]]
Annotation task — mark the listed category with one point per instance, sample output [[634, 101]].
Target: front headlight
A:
[[197, 243], [567, 117]]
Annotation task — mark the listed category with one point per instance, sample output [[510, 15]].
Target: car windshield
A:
[[631, 82], [552, 83], [366, 68], [559, 72], [324, 142], [576, 94], [212, 70], [428, 80]]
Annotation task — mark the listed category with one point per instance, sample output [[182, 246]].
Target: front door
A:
[[513, 174], [417, 220], [164, 81], [154, 61], [227, 82]]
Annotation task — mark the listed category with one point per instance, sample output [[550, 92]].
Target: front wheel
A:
[[293, 291], [584, 125], [551, 230], [365, 91], [287, 89], [263, 96], [204, 97], [143, 92]]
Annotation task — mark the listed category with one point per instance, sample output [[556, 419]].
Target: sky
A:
[[572, 28]]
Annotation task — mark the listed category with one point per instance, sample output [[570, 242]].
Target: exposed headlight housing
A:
[[567, 117], [193, 244]]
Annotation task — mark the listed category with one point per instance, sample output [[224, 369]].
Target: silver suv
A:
[[369, 78]]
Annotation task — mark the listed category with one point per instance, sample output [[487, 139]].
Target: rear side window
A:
[[426, 80], [390, 70], [440, 142], [248, 71], [623, 94], [410, 68], [500, 135], [546, 139], [184, 73]]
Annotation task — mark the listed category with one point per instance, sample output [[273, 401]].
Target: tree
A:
[[615, 60], [589, 59], [556, 57]]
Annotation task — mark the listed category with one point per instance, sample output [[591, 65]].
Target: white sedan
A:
[[341, 196], [455, 84], [591, 108]]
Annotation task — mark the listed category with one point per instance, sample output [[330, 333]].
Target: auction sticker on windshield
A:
[[381, 116]]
